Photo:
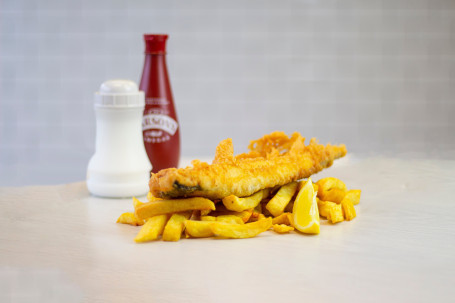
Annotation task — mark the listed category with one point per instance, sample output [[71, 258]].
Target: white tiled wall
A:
[[376, 75]]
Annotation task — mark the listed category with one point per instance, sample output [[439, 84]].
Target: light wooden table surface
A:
[[59, 244]]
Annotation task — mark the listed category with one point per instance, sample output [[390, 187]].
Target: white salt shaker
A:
[[120, 166]]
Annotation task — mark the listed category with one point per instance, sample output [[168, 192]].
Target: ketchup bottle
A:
[[160, 127]]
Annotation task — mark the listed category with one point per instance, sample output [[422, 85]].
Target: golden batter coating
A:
[[274, 159]]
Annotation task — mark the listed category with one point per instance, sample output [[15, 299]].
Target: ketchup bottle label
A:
[[159, 122], [160, 128]]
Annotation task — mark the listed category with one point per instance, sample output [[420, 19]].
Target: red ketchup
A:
[[160, 126]]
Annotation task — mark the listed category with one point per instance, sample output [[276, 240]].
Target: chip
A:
[[353, 195], [257, 210], [235, 203], [129, 218], [335, 214], [151, 198], [325, 207], [208, 218], [152, 229], [282, 228], [348, 209], [222, 211], [282, 219], [279, 202], [331, 189], [136, 203], [205, 212], [175, 225], [199, 229], [160, 207], [232, 219], [240, 231], [244, 215]]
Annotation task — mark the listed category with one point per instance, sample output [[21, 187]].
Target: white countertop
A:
[[59, 244]]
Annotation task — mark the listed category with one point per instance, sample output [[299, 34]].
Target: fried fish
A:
[[273, 160]]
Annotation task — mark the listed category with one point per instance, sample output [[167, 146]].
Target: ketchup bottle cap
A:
[[155, 43]]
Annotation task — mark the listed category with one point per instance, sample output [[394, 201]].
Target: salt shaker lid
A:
[[119, 93]]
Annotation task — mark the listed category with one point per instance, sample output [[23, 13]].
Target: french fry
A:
[[324, 207], [255, 219], [240, 231], [205, 212], [219, 208], [231, 219], [348, 209], [235, 203], [129, 218], [175, 225], [282, 228], [152, 229], [195, 216], [151, 198], [160, 207], [244, 215], [199, 229], [224, 218], [335, 214], [353, 195], [331, 189], [136, 203], [335, 195], [257, 210], [208, 218], [284, 195], [282, 219]]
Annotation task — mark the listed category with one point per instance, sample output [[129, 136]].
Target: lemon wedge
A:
[[305, 213]]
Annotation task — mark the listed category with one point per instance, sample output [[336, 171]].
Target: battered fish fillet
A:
[[274, 159]]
